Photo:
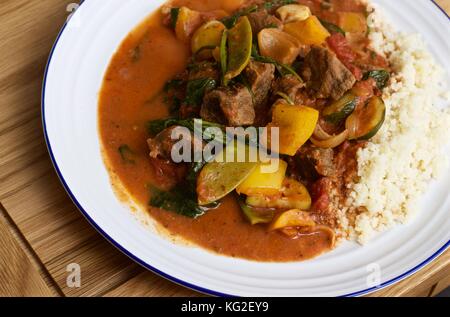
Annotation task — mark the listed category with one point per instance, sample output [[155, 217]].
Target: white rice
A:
[[397, 166]]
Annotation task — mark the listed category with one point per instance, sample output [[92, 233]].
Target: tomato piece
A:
[[340, 46]]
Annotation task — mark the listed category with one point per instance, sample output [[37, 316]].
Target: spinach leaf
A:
[[191, 178], [174, 12], [126, 154], [197, 88], [172, 89], [156, 126], [231, 21], [278, 3], [381, 77], [173, 84], [177, 201], [183, 198], [224, 55], [332, 28]]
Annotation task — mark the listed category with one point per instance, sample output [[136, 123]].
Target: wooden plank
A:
[[444, 4], [443, 284], [19, 276], [30, 191]]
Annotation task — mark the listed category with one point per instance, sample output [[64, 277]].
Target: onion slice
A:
[[332, 142], [320, 134]]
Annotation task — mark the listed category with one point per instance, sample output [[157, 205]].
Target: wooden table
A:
[[41, 231]]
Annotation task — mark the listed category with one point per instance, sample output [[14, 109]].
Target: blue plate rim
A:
[[157, 271]]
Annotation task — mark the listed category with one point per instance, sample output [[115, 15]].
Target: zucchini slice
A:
[[256, 215], [367, 121], [381, 77], [341, 109]]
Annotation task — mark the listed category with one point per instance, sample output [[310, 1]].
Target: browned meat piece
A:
[[260, 77], [294, 88], [324, 193], [346, 160], [203, 70], [229, 105], [328, 76], [304, 50], [167, 173], [288, 85], [322, 159], [161, 145], [261, 19], [310, 163]]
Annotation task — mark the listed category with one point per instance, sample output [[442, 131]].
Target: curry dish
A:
[[304, 67]]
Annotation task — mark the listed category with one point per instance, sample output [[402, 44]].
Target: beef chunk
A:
[[328, 76], [321, 159], [161, 145], [229, 105], [310, 163], [293, 88], [261, 19], [288, 85], [323, 193], [260, 77], [167, 173], [203, 70]]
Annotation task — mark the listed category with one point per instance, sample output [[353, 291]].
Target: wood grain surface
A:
[[41, 231]]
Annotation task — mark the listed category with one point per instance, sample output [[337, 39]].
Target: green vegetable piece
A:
[[240, 39], [365, 123], [231, 21], [173, 84], [224, 55], [381, 77], [341, 109], [182, 199], [218, 179], [256, 215], [282, 68], [177, 201], [126, 154], [196, 90], [285, 97], [332, 28], [174, 12]]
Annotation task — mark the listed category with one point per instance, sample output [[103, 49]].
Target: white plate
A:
[[69, 106]]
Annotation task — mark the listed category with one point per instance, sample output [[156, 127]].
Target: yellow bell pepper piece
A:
[[309, 31], [292, 218], [293, 195], [296, 125], [353, 22], [262, 181]]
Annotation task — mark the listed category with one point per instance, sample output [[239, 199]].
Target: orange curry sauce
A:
[[132, 95]]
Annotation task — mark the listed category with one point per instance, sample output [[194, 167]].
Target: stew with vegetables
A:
[[199, 67]]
